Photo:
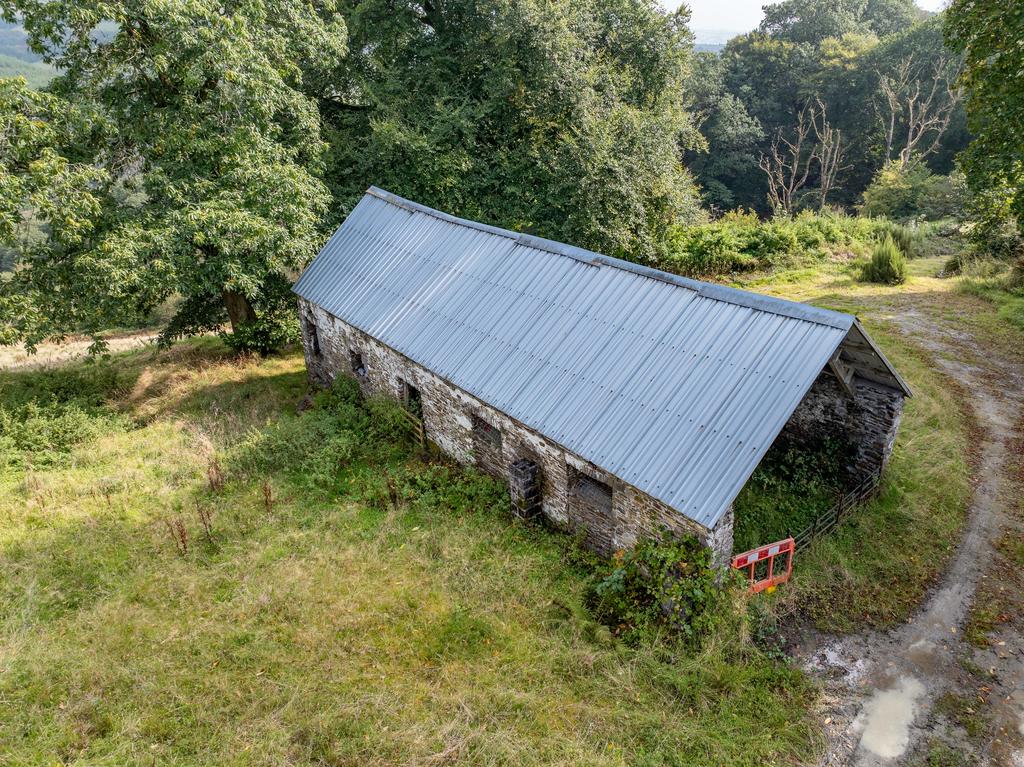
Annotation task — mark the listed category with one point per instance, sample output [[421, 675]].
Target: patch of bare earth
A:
[[919, 694]]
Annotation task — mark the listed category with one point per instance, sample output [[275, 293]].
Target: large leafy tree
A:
[[812, 21], [990, 33], [200, 119], [837, 57], [724, 167], [59, 194], [562, 118]]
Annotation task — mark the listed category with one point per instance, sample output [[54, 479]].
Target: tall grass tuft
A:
[[888, 264], [907, 238]]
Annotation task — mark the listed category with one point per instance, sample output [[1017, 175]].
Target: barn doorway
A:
[[487, 446], [591, 511], [412, 399]]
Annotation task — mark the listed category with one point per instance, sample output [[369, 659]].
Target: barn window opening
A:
[[314, 337], [487, 445], [356, 360], [412, 399]]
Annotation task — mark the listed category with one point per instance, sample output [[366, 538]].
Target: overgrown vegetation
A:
[[41, 423], [914, 192], [992, 268], [668, 585], [876, 567], [788, 490], [740, 242], [229, 576]]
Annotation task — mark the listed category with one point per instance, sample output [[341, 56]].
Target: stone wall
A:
[[865, 424], [448, 419]]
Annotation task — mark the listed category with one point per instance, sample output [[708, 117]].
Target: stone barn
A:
[[614, 399]]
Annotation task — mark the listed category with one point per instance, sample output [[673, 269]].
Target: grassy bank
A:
[[316, 622], [875, 568], [197, 574]]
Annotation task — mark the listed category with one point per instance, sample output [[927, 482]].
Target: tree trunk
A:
[[240, 311]]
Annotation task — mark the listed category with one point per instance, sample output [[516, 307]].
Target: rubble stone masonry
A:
[[449, 414], [865, 424]]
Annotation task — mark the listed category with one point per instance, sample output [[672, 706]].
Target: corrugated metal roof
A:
[[676, 386]]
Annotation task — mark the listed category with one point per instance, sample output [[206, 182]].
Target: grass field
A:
[[316, 624], [336, 600]]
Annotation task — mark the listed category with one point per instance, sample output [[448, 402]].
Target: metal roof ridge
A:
[[713, 291]]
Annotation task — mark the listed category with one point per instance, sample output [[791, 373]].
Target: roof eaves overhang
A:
[[903, 385]]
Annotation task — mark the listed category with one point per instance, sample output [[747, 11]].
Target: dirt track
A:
[[881, 688], [55, 354]]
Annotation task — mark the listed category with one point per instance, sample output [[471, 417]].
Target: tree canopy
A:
[[564, 119], [201, 151], [212, 153], [990, 33], [228, 138], [882, 92], [812, 21]]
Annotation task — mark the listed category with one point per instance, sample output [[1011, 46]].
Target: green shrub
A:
[[90, 386], [774, 243], [998, 238], [435, 487], [913, 192], [43, 435], [47, 413], [664, 583], [942, 197], [739, 241], [907, 238], [711, 249], [888, 265]]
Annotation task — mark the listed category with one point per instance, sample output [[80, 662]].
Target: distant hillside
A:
[[14, 42], [36, 73], [709, 47], [16, 59], [715, 36]]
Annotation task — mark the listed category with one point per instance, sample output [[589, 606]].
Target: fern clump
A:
[[888, 264]]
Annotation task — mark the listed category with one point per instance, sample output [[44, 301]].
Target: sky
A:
[[743, 15]]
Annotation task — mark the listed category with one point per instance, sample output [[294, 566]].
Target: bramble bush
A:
[[667, 583]]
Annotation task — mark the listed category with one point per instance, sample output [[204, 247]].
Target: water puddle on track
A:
[[884, 721]]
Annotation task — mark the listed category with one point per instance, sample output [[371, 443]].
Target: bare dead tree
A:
[[828, 152], [789, 164], [920, 100]]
